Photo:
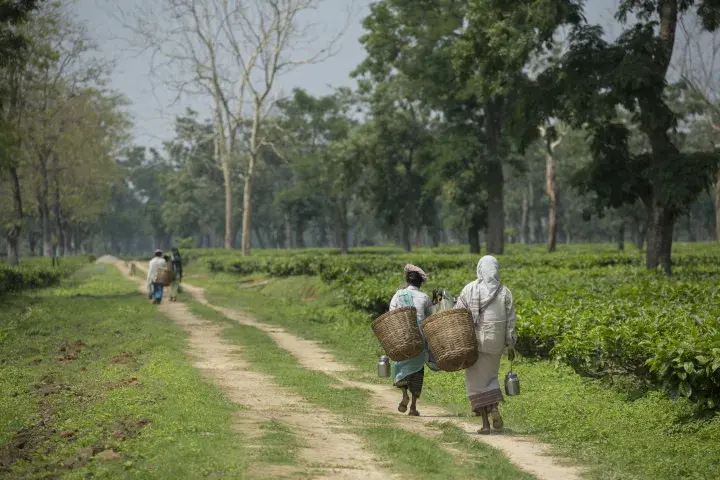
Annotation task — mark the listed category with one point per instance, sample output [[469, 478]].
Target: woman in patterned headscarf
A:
[[493, 312], [409, 374]]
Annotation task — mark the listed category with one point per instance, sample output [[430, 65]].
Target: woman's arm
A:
[[510, 333], [461, 301]]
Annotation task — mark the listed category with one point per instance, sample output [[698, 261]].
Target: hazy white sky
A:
[[151, 108]]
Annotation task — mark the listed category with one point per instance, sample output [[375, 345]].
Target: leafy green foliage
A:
[[595, 312], [25, 277]]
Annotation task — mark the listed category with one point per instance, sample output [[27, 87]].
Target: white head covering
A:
[[488, 280]]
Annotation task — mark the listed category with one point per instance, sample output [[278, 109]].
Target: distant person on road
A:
[[176, 263], [409, 374], [493, 312], [156, 264]]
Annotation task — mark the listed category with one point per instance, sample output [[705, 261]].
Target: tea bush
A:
[[37, 273], [601, 313]]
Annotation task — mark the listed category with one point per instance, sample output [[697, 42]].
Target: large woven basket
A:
[[450, 335], [165, 276], [398, 333]]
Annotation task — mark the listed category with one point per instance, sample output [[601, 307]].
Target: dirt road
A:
[[526, 453]]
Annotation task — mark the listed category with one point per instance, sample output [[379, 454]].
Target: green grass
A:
[[266, 357], [408, 452], [92, 357], [618, 431], [426, 458], [280, 443]]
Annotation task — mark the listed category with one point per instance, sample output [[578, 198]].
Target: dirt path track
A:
[[526, 453], [328, 450]]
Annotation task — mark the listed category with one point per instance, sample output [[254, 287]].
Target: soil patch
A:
[[47, 386], [125, 382], [125, 358], [128, 427], [70, 351]]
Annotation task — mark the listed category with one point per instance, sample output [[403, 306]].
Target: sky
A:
[[152, 108]]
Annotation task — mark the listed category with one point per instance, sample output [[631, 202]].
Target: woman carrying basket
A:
[[493, 312], [155, 289], [409, 374]]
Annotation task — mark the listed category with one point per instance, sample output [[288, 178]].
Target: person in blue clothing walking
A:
[[409, 374]]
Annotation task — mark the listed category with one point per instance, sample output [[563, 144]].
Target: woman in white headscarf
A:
[[493, 312]]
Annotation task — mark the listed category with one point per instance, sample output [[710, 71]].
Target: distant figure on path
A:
[[176, 263], [493, 312], [156, 264], [409, 374]]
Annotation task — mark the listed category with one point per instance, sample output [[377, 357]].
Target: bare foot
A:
[[402, 407], [497, 420], [414, 413], [484, 431]]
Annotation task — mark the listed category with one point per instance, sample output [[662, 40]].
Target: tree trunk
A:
[[300, 234], [621, 237], [288, 232], [60, 234], [406, 238], [532, 232], [342, 227], [659, 238], [717, 206], [691, 231], [551, 186], [434, 237], [495, 179], [66, 249], [474, 240], [524, 219], [229, 218], [12, 234], [246, 241], [44, 212], [551, 190]]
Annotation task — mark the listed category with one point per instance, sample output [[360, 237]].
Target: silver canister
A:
[[384, 366], [512, 384]]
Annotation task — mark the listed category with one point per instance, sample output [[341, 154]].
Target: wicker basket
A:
[[450, 335], [165, 276], [398, 333]]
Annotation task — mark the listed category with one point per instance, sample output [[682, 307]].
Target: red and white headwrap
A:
[[412, 268]]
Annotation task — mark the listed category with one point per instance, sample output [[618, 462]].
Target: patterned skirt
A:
[[413, 382], [481, 381]]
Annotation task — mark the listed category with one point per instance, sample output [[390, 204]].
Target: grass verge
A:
[[408, 452], [95, 383], [617, 432]]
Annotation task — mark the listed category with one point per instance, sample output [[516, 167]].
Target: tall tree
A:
[[468, 59], [232, 52], [597, 77], [323, 156], [400, 148], [698, 65], [551, 139], [14, 57]]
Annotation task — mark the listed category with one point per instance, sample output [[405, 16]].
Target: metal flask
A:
[[384, 366], [512, 384]]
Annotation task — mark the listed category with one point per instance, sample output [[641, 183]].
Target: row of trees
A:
[[456, 98], [472, 119], [60, 129]]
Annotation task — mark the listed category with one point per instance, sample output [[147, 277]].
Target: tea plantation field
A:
[[589, 307]]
